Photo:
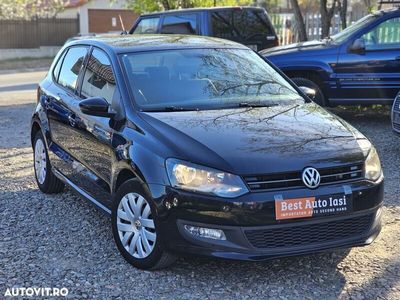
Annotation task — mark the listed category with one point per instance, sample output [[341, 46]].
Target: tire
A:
[[134, 228], [319, 95], [47, 182]]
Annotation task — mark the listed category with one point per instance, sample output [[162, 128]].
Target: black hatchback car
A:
[[198, 145], [250, 26]]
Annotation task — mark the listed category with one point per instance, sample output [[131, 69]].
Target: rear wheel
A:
[[319, 95], [47, 182], [134, 228]]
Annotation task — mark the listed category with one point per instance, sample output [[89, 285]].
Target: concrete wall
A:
[[49, 51]]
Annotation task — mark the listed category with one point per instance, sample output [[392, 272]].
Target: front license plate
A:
[[312, 206]]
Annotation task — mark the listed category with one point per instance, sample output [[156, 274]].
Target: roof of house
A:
[[75, 3]]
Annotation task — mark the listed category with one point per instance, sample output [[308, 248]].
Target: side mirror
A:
[[309, 92], [358, 46], [96, 106]]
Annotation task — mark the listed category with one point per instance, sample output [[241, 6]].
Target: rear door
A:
[[374, 75], [247, 26]]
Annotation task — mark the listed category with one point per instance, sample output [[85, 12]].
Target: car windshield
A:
[[345, 34], [205, 79]]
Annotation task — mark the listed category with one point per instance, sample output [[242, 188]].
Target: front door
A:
[[61, 98], [374, 75], [95, 133]]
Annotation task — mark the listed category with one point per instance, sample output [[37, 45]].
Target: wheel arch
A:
[[35, 128], [315, 75], [122, 176]]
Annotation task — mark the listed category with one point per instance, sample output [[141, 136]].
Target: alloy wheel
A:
[[40, 161]]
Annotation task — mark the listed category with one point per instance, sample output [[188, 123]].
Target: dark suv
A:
[[250, 26], [360, 65], [197, 145]]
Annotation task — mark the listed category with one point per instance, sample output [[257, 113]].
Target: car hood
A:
[[294, 48], [260, 140]]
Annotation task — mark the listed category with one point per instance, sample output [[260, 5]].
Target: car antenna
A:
[[124, 32]]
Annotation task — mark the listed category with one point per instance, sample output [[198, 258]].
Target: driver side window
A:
[[384, 36]]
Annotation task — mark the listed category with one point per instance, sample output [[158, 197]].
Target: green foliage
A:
[[26, 9], [142, 6]]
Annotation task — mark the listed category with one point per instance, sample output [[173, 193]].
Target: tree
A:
[[27, 9], [326, 16], [300, 25], [141, 6], [342, 5]]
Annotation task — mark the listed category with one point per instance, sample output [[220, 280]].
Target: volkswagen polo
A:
[[198, 145]]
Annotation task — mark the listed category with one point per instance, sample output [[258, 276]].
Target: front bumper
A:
[[252, 231]]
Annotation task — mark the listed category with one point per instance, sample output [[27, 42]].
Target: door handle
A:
[[72, 120]]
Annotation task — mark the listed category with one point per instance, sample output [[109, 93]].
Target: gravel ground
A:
[[62, 241]]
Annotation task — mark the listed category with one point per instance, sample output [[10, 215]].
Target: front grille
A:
[[309, 234], [293, 179], [396, 104]]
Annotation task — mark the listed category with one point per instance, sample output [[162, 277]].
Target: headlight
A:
[[192, 177], [373, 165]]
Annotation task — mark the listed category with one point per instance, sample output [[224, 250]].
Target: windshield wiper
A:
[[252, 104], [170, 108], [178, 108]]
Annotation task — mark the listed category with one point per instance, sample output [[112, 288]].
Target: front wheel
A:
[[319, 95], [134, 228], [47, 182]]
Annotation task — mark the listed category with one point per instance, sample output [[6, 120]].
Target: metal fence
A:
[[286, 27], [37, 32]]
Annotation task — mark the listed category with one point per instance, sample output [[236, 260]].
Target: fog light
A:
[[208, 233]]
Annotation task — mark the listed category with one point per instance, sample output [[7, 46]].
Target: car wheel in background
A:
[[47, 182], [319, 96], [134, 228]]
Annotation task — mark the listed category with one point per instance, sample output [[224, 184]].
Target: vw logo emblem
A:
[[311, 178]]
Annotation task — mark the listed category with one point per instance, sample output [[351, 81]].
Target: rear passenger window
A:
[[71, 66], [180, 24], [244, 24], [148, 25], [56, 70], [99, 80]]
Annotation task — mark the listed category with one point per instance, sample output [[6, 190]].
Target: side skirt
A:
[[81, 192]]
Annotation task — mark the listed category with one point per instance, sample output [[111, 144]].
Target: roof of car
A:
[[148, 42], [201, 9]]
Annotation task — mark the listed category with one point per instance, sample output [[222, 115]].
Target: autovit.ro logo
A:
[[36, 292]]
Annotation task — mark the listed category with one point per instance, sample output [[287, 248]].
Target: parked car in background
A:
[[198, 145], [360, 65], [396, 114], [249, 26]]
